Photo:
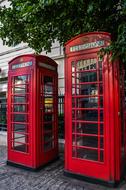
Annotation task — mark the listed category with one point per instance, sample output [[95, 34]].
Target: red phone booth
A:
[[94, 111], [32, 111]]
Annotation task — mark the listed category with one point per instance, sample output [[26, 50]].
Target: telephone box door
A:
[[19, 117], [87, 148], [48, 115]]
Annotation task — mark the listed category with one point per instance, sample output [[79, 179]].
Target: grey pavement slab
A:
[[50, 177], [3, 154]]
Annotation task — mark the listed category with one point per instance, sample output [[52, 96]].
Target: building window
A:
[[3, 108]]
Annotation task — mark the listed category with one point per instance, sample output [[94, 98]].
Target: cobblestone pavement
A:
[[49, 178]]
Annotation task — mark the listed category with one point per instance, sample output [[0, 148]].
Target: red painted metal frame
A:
[[109, 169], [34, 157]]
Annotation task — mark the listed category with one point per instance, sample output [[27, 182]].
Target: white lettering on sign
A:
[[87, 46], [21, 65], [86, 64], [45, 65]]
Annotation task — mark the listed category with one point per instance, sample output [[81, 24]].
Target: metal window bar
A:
[[61, 116], [3, 108]]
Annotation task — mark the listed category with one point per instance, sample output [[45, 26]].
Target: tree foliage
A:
[[39, 22]]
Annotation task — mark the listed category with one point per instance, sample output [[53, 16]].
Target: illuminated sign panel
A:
[[21, 65], [87, 46]]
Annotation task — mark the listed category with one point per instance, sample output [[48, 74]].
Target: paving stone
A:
[[3, 154], [50, 177]]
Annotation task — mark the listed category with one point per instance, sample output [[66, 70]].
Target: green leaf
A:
[[39, 22]]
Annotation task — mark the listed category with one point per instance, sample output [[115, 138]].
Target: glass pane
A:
[[73, 91], [73, 140], [100, 89], [48, 117], [48, 146], [101, 142], [101, 115], [48, 126], [20, 99], [73, 151], [19, 118], [86, 154], [87, 128], [101, 102], [48, 85], [20, 138], [87, 115], [86, 77], [48, 137], [48, 80], [48, 107], [73, 78], [20, 89], [19, 108], [101, 156], [21, 79], [48, 89], [89, 102], [87, 64], [20, 127], [86, 89], [20, 147], [100, 64], [101, 129], [73, 66], [100, 75], [87, 141]]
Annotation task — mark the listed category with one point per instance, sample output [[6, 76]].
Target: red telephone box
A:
[[94, 111], [32, 111]]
